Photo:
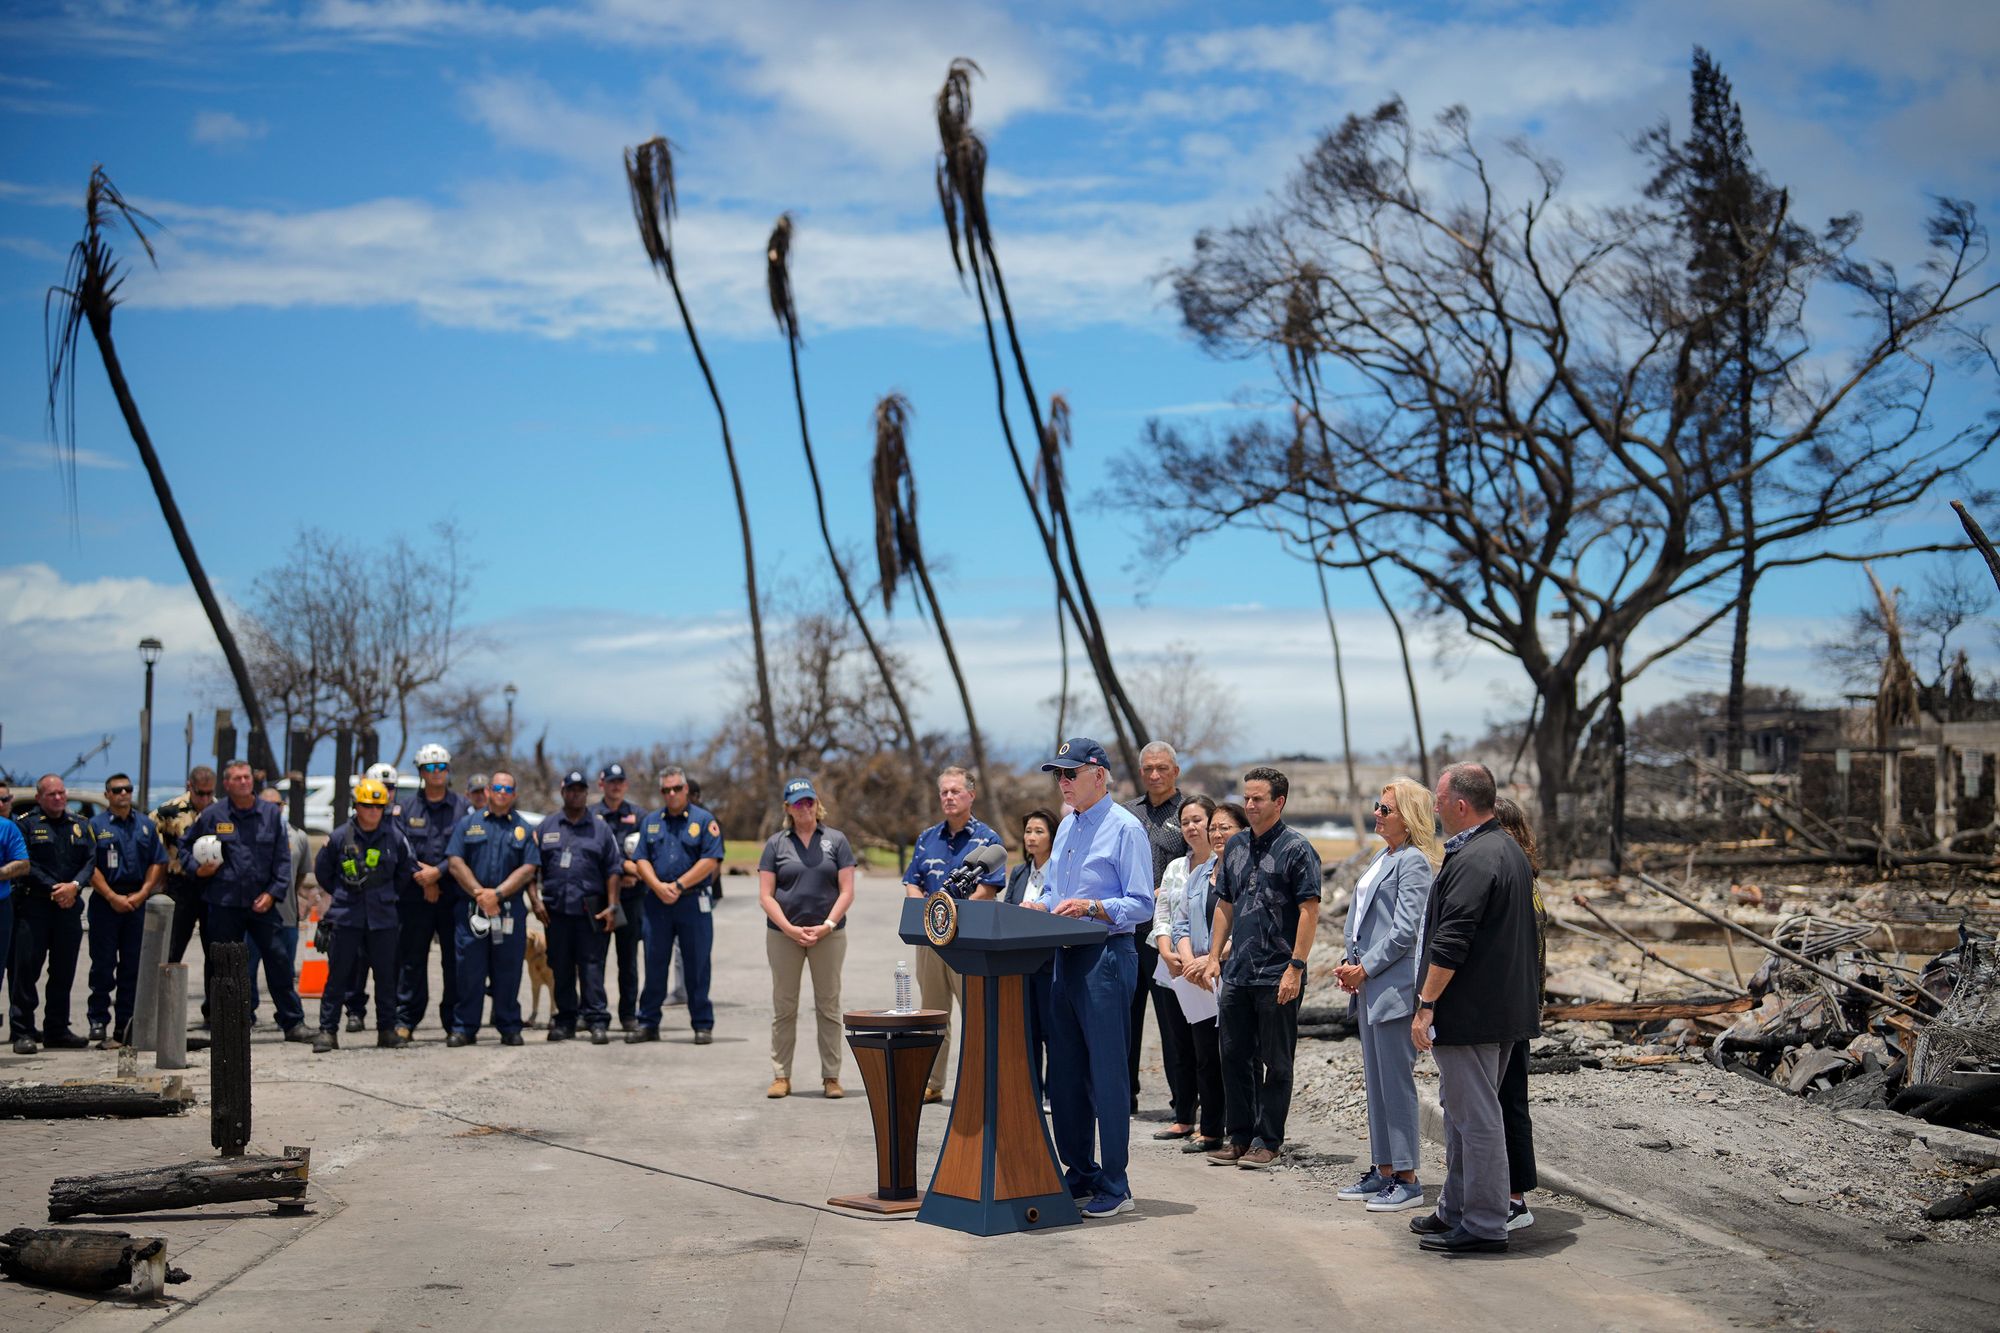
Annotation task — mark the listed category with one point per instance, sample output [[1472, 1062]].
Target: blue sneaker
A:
[[1367, 1187], [1397, 1195], [1108, 1205]]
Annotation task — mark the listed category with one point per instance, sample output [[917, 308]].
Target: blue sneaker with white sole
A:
[[1367, 1187], [1108, 1205], [1396, 1196]]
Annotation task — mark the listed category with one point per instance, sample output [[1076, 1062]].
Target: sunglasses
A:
[[501, 787], [669, 791], [1382, 808], [433, 768], [117, 791]]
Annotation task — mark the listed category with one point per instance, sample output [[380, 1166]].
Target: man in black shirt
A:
[[1158, 806], [1267, 907], [48, 921]]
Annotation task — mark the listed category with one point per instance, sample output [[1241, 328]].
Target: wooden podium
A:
[[996, 1172], [895, 1052]]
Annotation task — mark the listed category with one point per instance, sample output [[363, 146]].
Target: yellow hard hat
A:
[[370, 792]]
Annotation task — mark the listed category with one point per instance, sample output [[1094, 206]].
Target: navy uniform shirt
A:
[[579, 857], [673, 843], [256, 853], [127, 848], [60, 850], [427, 825], [366, 873], [1163, 830], [1265, 880], [938, 853], [494, 847]]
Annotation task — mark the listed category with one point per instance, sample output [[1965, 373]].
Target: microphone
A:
[[982, 861]]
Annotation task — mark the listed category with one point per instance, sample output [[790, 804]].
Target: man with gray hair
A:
[[939, 850], [1476, 996], [1158, 806]]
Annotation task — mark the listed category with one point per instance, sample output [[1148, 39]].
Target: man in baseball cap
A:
[[1100, 869]]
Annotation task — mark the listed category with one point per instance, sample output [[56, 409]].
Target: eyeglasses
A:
[[672, 791], [502, 787], [433, 768], [117, 791]]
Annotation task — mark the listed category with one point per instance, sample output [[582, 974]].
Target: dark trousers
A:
[[1257, 1036], [357, 951], [234, 925], [357, 994], [43, 933], [1519, 1125], [1090, 1003], [190, 918], [1176, 1053], [493, 959], [422, 922], [694, 930], [1137, 1036], [1206, 1047], [576, 956], [288, 955], [1037, 989], [625, 946], [114, 959]]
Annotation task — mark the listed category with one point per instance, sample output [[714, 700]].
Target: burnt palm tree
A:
[[88, 296], [778, 278], [899, 550], [649, 171], [961, 185]]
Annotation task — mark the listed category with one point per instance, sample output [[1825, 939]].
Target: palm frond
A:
[[649, 171], [897, 551], [89, 290], [961, 166], [1056, 437], [778, 277]]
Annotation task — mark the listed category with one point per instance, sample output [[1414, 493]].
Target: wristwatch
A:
[[1298, 963]]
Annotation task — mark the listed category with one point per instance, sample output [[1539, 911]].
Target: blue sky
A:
[[398, 281]]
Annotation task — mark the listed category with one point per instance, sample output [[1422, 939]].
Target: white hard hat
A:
[[207, 850], [383, 773], [432, 754], [631, 844]]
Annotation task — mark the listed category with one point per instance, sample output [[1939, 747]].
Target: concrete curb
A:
[[1597, 1194]]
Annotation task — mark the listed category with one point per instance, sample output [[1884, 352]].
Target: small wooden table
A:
[[895, 1052]]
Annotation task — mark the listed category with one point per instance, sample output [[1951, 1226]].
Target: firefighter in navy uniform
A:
[[368, 868], [243, 889], [430, 905], [623, 818], [48, 915], [680, 847], [582, 863], [134, 865], [493, 857]]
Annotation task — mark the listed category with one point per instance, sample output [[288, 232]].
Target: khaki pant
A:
[[938, 987], [788, 960]]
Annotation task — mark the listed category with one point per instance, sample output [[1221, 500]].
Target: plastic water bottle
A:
[[903, 1005]]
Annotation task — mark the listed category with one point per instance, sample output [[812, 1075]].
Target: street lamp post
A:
[[150, 649], [510, 692]]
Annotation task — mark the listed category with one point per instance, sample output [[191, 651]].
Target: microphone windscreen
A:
[[989, 858]]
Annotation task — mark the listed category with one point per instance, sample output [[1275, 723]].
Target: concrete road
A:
[[656, 1186]]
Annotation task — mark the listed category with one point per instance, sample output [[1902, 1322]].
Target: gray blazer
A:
[[1381, 935]]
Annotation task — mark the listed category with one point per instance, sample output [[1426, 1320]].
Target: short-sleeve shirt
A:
[[937, 853], [494, 847], [13, 847], [1163, 830], [428, 824], [578, 860], [808, 874], [673, 843], [126, 848], [1265, 880]]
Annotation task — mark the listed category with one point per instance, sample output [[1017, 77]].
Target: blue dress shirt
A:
[[1103, 853]]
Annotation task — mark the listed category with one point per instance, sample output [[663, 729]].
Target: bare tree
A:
[[88, 296], [649, 171], [1518, 431]]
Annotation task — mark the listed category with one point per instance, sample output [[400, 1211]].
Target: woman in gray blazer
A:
[[1380, 973]]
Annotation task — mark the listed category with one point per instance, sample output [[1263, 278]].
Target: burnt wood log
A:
[[1985, 1194], [184, 1185], [1944, 1104], [229, 1056], [69, 1101], [1642, 1011], [87, 1260]]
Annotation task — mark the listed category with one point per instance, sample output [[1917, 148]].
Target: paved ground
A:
[[656, 1186]]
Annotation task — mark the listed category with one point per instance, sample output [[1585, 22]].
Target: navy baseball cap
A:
[[800, 789], [611, 773], [575, 778], [1076, 752]]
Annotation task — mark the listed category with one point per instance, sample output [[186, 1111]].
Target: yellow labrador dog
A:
[[541, 979]]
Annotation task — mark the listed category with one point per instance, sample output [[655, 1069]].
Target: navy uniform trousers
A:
[[420, 923], [114, 959], [356, 952], [1090, 1005], [502, 958]]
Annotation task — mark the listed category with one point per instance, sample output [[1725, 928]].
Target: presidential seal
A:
[[940, 919]]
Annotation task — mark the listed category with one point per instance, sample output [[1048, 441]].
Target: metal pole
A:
[[187, 760], [173, 1020], [157, 934], [146, 744]]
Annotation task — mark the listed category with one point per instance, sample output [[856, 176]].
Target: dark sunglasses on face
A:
[[117, 791], [1381, 808], [669, 791], [501, 787], [433, 768]]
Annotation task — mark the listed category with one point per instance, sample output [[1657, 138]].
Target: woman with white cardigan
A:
[[1380, 972]]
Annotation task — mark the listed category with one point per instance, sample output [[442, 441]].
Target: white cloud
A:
[[40, 453], [225, 129]]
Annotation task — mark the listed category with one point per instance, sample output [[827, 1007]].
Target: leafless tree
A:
[[1516, 430]]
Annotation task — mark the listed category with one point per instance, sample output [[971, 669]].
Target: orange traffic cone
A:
[[312, 971]]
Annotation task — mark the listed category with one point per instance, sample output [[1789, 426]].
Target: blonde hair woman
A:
[[805, 884], [1380, 972]]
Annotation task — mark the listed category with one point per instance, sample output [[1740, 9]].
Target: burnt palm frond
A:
[[1056, 437], [898, 550], [649, 172], [961, 167], [778, 277], [89, 290]]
